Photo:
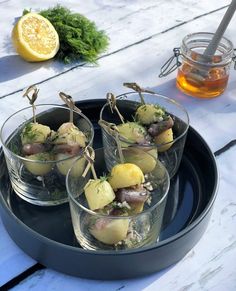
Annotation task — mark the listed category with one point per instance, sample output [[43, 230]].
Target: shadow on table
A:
[[13, 66], [147, 281], [223, 103], [132, 284], [169, 89]]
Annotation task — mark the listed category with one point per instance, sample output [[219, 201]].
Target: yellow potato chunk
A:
[[98, 193], [66, 127], [64, 166], [111, 231], [125, 175], [69, 134], [145, 160], [39, 165], [136, 207], [149, 113], [132, 131], [165, 138], [35, 133]]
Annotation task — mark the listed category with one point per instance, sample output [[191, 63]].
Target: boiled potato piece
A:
[[35, 133], [125, 175], [136, 207], [39, 165], [66, 128], [110, 231], [149, 113], [69, 134], [153, 152], [98, 193], [72, 138], [165, 138], [64, 166], [145, 160], [132, 131]]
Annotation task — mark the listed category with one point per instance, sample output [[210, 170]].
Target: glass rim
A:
[[151, 144], [167, 180], [38, 161], [226, 55]]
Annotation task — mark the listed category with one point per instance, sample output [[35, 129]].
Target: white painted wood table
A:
[[142, 36]]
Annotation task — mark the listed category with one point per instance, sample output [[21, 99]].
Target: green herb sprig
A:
[[79, 37], [28, 133]]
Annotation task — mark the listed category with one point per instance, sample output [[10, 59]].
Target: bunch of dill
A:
[[79, 37]]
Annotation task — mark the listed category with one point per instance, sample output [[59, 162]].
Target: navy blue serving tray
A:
[[46, 233]]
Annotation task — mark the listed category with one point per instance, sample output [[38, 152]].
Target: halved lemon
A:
[[35, 39]]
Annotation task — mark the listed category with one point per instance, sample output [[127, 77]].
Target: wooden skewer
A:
[[32, 89], [137, 89], [70, 103], [112, 102], [90, 157]]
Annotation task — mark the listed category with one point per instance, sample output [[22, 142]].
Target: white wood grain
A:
[[126, 22], [13, 261], [141, 63]]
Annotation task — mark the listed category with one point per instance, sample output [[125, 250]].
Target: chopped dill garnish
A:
[[28, 133], [103, 178]]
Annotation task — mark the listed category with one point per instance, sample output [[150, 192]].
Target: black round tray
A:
[[46, 233]]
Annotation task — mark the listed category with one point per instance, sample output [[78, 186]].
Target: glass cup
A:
[[101, 230], [204, 76], [40, 181], [169, 153]]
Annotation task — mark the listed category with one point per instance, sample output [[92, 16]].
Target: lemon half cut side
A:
[[34, 38]]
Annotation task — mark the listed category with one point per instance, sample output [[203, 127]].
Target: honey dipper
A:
[[198, 76]]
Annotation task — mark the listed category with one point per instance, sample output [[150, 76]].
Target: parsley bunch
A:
[[79, 37]]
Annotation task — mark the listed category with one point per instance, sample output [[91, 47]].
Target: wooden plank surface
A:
[[131, 65], [126, 23]]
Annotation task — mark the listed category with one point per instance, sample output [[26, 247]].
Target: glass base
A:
[[28, 194], [47, 190], [141, 233]]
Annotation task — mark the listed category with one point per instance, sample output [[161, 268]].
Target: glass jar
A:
[[202, 75]]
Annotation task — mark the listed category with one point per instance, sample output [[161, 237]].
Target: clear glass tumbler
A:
[[169, 153], [99, 230], [39, 181]]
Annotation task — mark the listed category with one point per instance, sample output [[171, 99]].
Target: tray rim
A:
[[157, 245]]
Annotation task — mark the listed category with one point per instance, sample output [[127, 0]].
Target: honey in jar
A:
[[203, 76]]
